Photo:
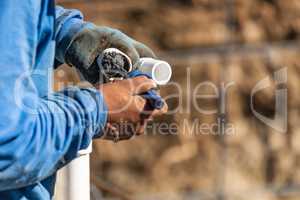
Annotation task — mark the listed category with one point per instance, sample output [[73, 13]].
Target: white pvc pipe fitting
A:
[[159, 70], [74, 179]]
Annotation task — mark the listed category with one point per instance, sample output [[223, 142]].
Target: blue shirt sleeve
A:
[[37, 134], [68, 22]]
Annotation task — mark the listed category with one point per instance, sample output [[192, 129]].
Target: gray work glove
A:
[[91, 41]]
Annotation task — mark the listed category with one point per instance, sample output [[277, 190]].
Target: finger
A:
[[137, 85], [158, 112], [127, 130], [111, 127], [144, 115], [139, 103], [144, 50], [141, 127], [119, 133], [142, 84], [110, 132]]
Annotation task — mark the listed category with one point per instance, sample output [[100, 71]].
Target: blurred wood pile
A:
[[238, 41]]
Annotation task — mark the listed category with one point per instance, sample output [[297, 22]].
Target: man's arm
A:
[[37, 134], [68, 23], [78, 43]]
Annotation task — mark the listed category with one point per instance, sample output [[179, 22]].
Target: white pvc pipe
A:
[[159, 70], [76, 178]]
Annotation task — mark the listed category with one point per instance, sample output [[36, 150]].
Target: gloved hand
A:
[[92, 40], [128, 111]]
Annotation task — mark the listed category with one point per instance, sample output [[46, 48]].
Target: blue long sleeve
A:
[[39, 130], [68, 23]]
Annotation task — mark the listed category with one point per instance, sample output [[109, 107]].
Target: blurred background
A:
[[235, 43]]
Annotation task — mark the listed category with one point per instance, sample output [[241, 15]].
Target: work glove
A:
[[88, 43]]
